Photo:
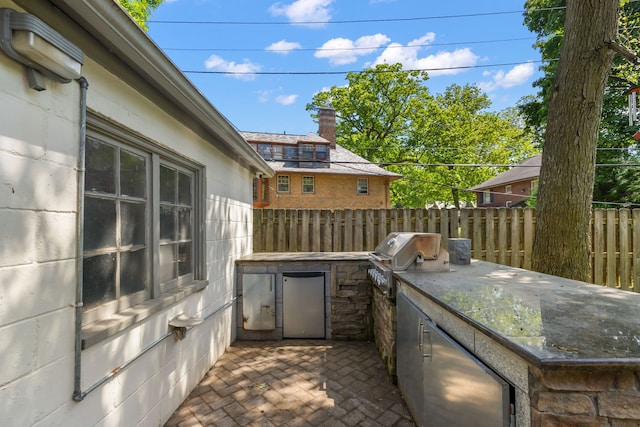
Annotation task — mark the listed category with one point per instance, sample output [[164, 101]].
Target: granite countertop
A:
[[549, 321], [263, 257]]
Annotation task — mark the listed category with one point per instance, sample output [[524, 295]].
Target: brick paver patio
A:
[[295, 383]]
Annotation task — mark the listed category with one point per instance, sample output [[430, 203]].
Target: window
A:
[[265, 151], [260, 194], [307, 152], [486, 197], [290, 153], [507, 189], [363, 186], [283, 183], [534, 186], [142, 207], [321, 152], [276, 152], [307, 184]]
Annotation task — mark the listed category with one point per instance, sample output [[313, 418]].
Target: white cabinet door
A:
[[258, 302]]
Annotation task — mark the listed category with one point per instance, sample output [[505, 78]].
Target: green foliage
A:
[[140, 10], [387, 116], [614, 131]]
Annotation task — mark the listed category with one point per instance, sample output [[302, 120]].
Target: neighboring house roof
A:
[[282, 138], [526, 170], [107, 22], [343, 161]]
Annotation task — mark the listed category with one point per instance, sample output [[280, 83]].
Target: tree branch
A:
[[624, 52]]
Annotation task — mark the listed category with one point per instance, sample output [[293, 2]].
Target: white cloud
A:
[[443, 62], [283, 47], [286, 99], [518, 75], [340, 51], [304, 11], [216, 63]]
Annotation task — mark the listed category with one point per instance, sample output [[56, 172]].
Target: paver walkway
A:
[[295, 383]]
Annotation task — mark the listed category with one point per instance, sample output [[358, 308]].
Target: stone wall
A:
[[351, 313], [584, 397], [384, 326]]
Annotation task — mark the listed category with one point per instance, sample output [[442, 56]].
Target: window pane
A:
[[133, 272], [283, 183], [132, 223], [184, 189], [167, 184], [167, 223], [132, 175], [168, 261], [291, 153], [99, 223], [184, 257], [100, 167], [184, 223], [321, 152], [98, 279]]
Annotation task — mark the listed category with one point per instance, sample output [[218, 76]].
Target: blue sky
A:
[[263, 40]]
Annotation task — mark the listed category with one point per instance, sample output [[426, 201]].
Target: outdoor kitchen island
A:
[[569, 350]]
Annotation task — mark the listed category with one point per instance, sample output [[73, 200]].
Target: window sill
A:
[[96, 332]]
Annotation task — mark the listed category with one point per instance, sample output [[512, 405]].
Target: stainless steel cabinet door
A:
[[409, 357], [459, 390], [303, 305]]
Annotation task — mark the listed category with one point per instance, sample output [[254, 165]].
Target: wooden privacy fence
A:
[[500, 235]]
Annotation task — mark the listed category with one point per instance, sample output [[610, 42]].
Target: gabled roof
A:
[[343, 161], [527, 169]]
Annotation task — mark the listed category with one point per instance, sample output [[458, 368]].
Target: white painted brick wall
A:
[[39, 139]]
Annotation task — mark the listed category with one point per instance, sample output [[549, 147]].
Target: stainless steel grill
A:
[[401, 251]]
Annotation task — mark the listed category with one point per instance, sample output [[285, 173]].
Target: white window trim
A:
[[313, 183], [366, 180], [288, 190], [96, 328]]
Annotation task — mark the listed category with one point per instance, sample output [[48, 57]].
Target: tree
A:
[[140, 10], [546, 18], [387, 116], [562, 244]]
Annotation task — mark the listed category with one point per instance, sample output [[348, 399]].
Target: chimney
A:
[[327, 125]]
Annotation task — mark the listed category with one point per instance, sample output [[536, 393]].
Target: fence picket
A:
[[498, 235]]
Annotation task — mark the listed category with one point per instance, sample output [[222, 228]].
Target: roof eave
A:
[[113, 27]]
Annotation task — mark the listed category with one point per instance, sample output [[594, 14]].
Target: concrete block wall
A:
[[39, 147]]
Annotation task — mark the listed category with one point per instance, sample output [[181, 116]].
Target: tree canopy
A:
[[140, 10], [388, 116]]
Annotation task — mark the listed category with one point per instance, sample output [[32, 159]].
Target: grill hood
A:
[[404, 250]]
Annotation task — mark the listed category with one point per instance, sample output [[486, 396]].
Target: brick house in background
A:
[[510, 188], [313, 172]]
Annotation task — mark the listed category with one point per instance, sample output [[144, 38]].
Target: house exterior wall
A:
[[331, 192], [500, 197], [39, 147]]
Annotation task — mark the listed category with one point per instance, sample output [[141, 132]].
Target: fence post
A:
[[358, 230], [347, 245], [316, 237], [370, 234]]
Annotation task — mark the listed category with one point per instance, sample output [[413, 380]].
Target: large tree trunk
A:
[[562, 236]]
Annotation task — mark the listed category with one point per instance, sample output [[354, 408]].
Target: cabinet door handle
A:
[[424, 331]]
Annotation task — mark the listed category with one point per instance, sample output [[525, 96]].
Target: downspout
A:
[[77, 387]]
